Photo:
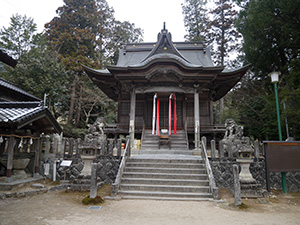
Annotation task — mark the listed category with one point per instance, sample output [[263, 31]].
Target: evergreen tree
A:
[[38, 71], [272, 43], [195, 19], [82, 33], [223, 34], [19, 37]]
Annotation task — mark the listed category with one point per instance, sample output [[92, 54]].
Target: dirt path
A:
[[66, 208]]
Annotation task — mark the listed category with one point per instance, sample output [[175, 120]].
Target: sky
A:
[[147, 15]]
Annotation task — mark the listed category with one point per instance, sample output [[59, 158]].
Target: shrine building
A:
[[151, 81]]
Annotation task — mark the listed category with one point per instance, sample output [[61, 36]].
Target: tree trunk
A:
[[72, 101], [78, 110], [222, 58]]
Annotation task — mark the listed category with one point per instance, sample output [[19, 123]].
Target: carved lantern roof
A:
[[165, 66]]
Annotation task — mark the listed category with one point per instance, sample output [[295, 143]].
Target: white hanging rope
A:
[[153, 115], [170, 113], [21, 143]]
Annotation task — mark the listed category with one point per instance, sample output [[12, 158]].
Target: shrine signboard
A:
[[281, 156]]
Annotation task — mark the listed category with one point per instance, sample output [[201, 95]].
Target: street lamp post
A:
[[274, 79]]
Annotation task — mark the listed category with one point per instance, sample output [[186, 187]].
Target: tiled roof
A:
[[9, 85], [23, 113], [16, 111]]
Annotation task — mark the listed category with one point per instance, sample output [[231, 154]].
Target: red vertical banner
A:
[[158, 119], [175, 115]]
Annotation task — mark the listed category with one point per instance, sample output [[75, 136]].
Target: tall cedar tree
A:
[[73, 35], [272, 43], [82, 34], [195, 19], [223, 34]]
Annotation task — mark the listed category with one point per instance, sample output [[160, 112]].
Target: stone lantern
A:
[[249, 187], [245, 152]]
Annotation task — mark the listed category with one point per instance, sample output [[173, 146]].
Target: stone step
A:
[[165, 151], [164, 176], [165, 170], [167, 198], [175, 141], [165, 165], [189, 159], [165, 188], [165, 181], [161, 195]]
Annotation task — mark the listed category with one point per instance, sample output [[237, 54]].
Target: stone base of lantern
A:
[[252, 190], [249, 187]]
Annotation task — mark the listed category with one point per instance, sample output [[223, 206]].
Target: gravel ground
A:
[[63, 207]]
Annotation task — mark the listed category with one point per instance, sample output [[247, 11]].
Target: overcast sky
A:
[[148, 15]]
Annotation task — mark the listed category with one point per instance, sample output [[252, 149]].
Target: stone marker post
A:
[[55, 143], [237, 186], [221, 149], [47, 145], [230, 150], [111, 146], [119, 148], [78, 141], [71, 141], [213, 148], [63, 147], [94, 189]]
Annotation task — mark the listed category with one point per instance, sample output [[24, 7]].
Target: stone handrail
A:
[[212, 183], [186, 135], [116, 184]]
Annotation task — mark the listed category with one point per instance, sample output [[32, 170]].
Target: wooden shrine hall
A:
[[166, 88]]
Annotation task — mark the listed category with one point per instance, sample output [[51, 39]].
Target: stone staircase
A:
[[165, 177], [178, 143]]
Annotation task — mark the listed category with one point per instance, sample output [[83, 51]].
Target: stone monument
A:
[[92, 144], [238, 146]]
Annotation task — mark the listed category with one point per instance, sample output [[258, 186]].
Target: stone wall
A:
[[108, 168], [223, 173]]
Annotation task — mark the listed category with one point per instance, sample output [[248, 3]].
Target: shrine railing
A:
[[212, 183], [126, 154]]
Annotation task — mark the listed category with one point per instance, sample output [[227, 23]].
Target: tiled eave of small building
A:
[[9, 88], [21, 115]]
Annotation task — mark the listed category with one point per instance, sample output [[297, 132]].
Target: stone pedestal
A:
[[249, 187], [88, 159], [245, 176], [19, 166]]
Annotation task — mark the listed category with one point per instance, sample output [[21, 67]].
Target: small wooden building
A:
[[22, 120], [150, 77]]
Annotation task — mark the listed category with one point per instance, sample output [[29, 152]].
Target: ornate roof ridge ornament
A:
[[165, 45]]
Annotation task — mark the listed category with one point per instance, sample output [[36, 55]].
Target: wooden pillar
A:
[[38, 145], [132, 117], [197, 120], [10, 156], [184, 120]]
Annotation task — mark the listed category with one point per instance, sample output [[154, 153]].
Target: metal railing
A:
[[126, 154], [212, 183]]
